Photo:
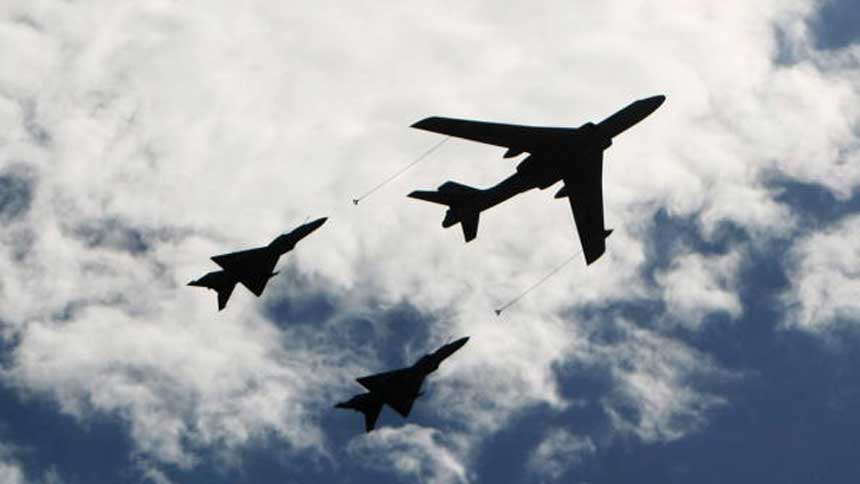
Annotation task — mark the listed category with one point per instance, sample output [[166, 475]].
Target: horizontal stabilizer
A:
[[432, 196], [449, 193], [367, 404], [459, 198], [512, 152], [221, 282]]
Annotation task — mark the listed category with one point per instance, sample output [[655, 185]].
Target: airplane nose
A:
[[656, 101], [317, 223], [460, 342]]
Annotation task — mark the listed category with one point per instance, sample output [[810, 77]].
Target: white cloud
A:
[[696, 285], [206, 383], [12, 470], [10, 473], [660, 392], [558, 452], [419, 453], [824, 277], [209, 127]]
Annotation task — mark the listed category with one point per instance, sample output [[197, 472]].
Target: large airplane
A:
[[399, 388], [253, 267], [571, 155]]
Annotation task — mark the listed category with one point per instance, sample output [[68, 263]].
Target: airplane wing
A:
[[252, 267], [398, 388], [517, 138], [585, 193]]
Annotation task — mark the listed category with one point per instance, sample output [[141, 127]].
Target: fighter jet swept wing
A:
[[398, 389], [253, 267]]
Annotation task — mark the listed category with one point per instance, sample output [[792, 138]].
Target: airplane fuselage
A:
[[287, 242], [540, 169], [571, 155], [547, 165]]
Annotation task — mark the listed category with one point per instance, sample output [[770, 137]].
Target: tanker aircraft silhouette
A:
[[398, 388], [571, 155], [253, 267]]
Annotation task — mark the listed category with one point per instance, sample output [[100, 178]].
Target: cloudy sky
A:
[[716, 341]]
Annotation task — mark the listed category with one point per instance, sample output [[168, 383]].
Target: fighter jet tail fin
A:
[[224, 293], [366, 404], [460, 200], [371, 413]]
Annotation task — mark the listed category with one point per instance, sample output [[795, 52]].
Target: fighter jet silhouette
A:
[[571, 155], [399, 388], [253, 267]]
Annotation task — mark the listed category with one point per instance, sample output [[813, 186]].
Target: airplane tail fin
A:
[[221, 282], [460, 201], [224, 293], [370, 407]]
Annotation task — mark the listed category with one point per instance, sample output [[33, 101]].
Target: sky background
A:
[[716, 340]]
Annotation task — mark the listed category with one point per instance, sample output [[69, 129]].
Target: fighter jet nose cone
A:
[[657, 101], [313, 225], [192, 283], [460, 342]]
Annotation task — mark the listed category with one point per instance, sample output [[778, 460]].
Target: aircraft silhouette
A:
[[399, 388], [253, 267], [571, 155]]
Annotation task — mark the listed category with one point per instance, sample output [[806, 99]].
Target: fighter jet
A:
[[571, 155], [399, 388], [253, 267]]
